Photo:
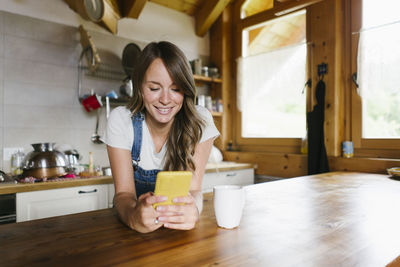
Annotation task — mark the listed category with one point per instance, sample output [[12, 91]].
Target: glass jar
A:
[[16, 162]]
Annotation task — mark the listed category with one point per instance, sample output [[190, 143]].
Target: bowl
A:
[[44, 156]]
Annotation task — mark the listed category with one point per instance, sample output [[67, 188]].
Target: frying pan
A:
[[129, 57]]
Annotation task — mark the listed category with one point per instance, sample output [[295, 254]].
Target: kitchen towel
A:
[[317, 158]]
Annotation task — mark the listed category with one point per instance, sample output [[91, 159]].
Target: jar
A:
[[204, 71], [16, 162]]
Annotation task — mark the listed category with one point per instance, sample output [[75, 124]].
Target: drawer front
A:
[[56, 202], [237, 177]]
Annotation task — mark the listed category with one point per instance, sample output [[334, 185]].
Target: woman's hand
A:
[[145, 218], [181, 217]]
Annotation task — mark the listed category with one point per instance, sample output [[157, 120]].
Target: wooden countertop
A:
[[332, 219], [10, 188]]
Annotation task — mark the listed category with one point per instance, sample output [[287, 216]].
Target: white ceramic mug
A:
[[229, 201]]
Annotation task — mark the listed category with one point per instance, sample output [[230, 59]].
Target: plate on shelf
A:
[[395, 171]]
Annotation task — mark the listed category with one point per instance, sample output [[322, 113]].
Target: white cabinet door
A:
[[237, 177], [55, 202]]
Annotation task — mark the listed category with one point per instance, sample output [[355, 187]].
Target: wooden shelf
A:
[[206, 79]]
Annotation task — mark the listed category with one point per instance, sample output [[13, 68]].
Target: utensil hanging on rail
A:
[[96, 137]]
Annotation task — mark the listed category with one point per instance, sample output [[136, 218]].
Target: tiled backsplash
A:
[[38, 86]]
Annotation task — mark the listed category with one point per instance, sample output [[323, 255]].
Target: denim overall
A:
[[145, 180]]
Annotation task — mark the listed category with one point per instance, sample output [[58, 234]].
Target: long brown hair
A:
[[186, 129]]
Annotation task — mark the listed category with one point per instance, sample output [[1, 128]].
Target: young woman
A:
[[160, 129]]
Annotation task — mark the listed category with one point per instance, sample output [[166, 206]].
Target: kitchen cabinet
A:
[[55, 202], [236, 177]]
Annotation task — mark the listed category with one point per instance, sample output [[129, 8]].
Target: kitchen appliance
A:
[[73, 159], [4, 177], [44, 162], [8, 209]]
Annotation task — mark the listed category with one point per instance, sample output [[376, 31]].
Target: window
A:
[[271, 78], [376, 57], [379, 68]]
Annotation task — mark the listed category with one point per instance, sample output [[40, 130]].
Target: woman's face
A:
[[162, 98]]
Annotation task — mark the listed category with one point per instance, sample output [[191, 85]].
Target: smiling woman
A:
[[160, 129]]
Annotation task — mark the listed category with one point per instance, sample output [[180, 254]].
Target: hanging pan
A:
[[129, 58]]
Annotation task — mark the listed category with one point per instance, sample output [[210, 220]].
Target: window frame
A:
[[286, 145], [364, 146]]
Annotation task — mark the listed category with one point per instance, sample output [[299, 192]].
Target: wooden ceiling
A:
[[205, 12]]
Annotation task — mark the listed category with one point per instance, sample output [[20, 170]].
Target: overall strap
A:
[[137, 123]]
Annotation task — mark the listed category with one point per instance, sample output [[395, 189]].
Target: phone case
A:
[[172, 184]]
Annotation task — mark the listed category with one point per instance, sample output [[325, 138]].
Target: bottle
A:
[[16, 162]]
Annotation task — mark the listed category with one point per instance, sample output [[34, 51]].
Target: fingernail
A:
[[175, 200], [160, 208], [164, 198]]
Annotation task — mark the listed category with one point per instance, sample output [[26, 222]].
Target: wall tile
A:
[[38, 117], [40, 73], [1, 22], [82, 141], [1, 35], [22, 93], [83, 120], [1, 103], [41, 51], [1, 67], [36, 29], [25, 136], [1, 148]]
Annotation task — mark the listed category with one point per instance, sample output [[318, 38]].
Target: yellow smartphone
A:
[[172, 184]]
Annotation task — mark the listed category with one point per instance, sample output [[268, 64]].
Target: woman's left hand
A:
[[181, 217]]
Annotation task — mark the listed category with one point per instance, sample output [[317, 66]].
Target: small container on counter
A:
[[204, 71], [16, 162], [347, 149]]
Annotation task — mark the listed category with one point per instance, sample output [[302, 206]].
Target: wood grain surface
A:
[[333, 219], [10, 188]]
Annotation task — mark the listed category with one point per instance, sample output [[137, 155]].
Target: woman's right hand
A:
[[145, 217]]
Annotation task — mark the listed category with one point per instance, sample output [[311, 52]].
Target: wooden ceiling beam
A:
[[132, 8], [208, 14], [280, 9]]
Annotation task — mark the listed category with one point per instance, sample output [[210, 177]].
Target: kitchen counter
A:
[[331, 219], [10, 188]]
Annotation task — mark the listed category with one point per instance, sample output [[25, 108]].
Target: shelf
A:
[[206, 79]]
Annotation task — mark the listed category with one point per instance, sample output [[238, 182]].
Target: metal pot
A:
[[44, 162], [72, 157]]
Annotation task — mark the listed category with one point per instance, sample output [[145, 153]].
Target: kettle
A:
[[72, 157]]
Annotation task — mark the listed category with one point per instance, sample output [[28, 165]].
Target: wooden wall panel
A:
[[274, 164], [325, 26], [372, 165], [221, 55]]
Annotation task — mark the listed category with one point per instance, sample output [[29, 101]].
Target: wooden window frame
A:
[[364, 147], [285, 145]]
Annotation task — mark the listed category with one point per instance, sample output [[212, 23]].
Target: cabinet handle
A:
[[231, 174], [86, 192]]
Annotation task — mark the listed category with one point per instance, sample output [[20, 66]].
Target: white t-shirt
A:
[[119, 134]]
